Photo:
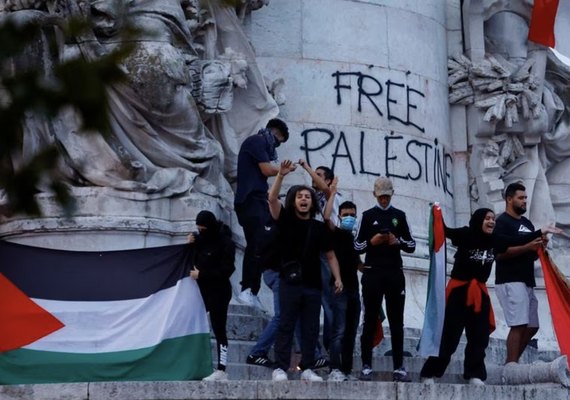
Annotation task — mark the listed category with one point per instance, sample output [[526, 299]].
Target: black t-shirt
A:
[[348, 259], [520, 268], [293, 233], [475, 254], [250, 179]]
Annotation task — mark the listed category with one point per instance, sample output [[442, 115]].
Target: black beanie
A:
[[207, 219]]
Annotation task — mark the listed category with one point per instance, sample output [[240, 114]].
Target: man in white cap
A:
[[382, 234]]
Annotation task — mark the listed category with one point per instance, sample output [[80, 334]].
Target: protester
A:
[[382, 234], [253, 168], [212, 265], [321, 179], [300, 280], [468, 305], [345, 305], [514, 272]]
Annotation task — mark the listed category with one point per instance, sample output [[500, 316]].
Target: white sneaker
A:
[[476, 381], [279, 375], [217, 375], [428, 381], [337, 376], [248, 298], [309, 376]]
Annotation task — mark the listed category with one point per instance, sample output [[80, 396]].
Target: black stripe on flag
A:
[[93, 276]]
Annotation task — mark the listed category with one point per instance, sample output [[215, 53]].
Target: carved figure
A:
[[169, 132], [523, 131]]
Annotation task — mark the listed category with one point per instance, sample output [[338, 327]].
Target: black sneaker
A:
[[261, 361], [320, 363]]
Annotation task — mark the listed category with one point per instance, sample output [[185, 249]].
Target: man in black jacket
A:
[[382, 234]]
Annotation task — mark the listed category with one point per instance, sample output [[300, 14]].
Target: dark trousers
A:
[[217, 299], [377, 283], [346, 313], [252, 215], [297, 303], [459, 316]]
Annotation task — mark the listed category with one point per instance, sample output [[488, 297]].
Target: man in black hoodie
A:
[[212, 266], [382, 234]]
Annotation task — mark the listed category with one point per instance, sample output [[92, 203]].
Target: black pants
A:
[[459, 316], [217, 299], [252, 215], [301, 303], [377, 283]]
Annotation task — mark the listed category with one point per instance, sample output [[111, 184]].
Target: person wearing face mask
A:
[[253, 168], [212, 266], [382, 235], [345, 305]]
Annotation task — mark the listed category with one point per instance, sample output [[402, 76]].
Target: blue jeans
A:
[[267, 337], [346, 313]]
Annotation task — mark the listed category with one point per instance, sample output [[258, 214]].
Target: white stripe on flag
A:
[[106, 326]]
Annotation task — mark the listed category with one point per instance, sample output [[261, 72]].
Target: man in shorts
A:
[[514, 280]]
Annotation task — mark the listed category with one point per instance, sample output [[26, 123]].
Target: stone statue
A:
[[193, 93], [518, 92]]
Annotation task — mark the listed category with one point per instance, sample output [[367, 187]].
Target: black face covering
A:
[[208, 220]]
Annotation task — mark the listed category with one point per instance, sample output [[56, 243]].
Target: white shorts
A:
[[519, 304]]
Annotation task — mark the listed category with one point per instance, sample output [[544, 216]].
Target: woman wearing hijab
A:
[[468, 305], [212, 265]]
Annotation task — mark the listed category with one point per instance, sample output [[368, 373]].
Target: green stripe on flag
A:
[[184, 358]]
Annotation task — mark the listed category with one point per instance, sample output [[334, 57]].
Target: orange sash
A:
[[474, 296]]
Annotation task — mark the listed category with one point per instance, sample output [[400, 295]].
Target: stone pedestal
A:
[[105, 219]]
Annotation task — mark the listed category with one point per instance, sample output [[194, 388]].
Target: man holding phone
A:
[[382, 235]]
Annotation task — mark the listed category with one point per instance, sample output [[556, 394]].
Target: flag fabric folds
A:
[[435, 302], [542, 21], [558, 293], [69, 316]]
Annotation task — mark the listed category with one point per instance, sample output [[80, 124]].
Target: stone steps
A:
[[262, 389], [246, 323]]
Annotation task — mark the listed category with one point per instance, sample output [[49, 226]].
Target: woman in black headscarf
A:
[[468, 305], [212, 265]]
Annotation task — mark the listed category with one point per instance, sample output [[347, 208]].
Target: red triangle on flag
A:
[[21, 320]]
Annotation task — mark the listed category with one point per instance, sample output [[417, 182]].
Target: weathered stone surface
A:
[[279, 390], [59, 391], [538, 372]]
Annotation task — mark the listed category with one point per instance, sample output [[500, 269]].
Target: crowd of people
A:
[[320, 240]]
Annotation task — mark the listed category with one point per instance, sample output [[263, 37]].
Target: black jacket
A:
[[214, 257], [377, 220]]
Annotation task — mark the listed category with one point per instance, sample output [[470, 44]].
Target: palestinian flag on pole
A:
[[435, 302], [558, 293], [100, 316]]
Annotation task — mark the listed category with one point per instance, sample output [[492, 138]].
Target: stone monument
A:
[[365, 87], [193, 93]]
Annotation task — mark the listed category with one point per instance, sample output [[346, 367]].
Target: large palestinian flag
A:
[[100, 316], [435, 301]]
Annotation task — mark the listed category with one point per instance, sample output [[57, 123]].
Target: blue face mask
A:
[[347, 223]]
